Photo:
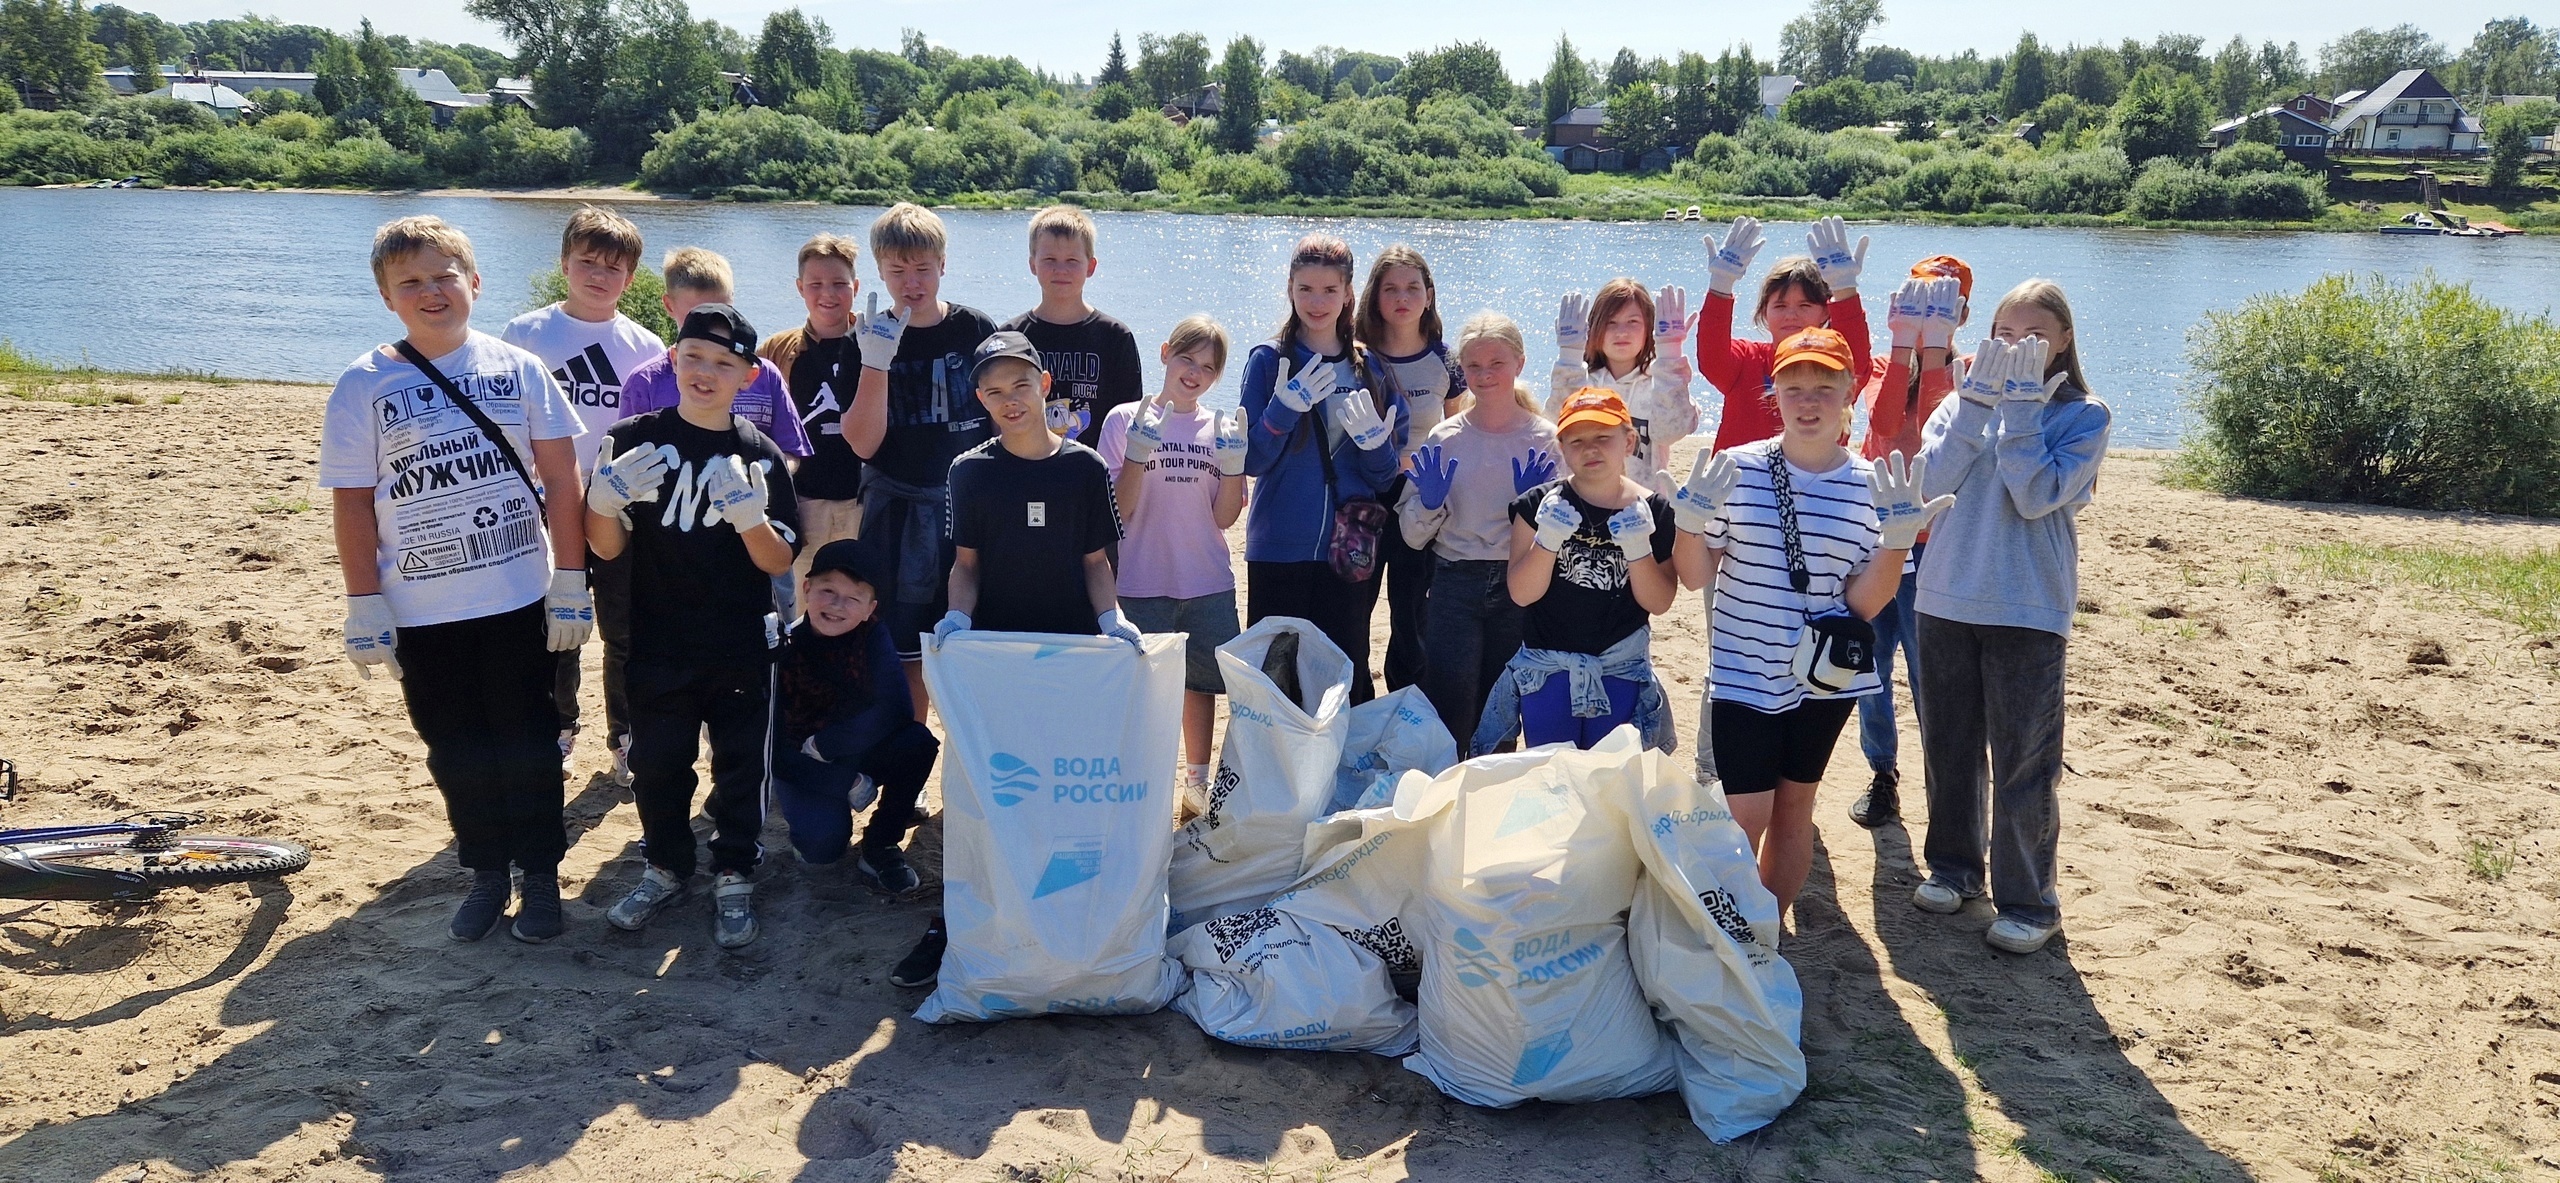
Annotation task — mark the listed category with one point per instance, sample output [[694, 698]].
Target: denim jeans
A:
[[1894, 627], [1471, 628], [1998, 687]]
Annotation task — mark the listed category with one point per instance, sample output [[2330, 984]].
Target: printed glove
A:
[[1727, 264], [1900, 512], [1699, 501], [877, 335], [1361, 421], [2025, 378], [1536, 470], [1573, 324], [1832, 256], [1146, 432], [1906, 315], [632, 476], [1231, 443], [1118, 628], [1986, 377], [1945, 306], [1632, 529], [954, 621], [1557, 520], [1672, 323], [570, 611], [370, 635], [1309, 386], [735, 493], [1433, 475]]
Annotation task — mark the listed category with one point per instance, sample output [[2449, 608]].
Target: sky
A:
[[1072, 38]]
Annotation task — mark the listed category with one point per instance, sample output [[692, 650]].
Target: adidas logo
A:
[[590, 381]]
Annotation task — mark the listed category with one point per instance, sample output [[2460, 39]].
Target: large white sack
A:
[[1275, 773], [1527, 993], [1056, 823], [1267, 978], [1387, 737], [1703, 934]]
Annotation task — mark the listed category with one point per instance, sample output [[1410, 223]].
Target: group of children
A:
[[923, 472]]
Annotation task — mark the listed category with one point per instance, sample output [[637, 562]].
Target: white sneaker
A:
[[733, 910], [568, 744], [1933, 896], [656, 890], [622, 763], [2011, 935]]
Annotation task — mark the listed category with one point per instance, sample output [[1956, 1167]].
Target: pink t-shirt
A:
[[1172, 547]]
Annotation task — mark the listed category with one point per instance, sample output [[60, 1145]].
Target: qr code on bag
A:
[[1230, 933], [1387, 941], [1221, 787], [1727, 913]]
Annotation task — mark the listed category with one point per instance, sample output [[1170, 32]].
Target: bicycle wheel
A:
[[192, 860]]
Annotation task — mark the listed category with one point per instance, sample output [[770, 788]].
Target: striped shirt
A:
[[1757, 613]]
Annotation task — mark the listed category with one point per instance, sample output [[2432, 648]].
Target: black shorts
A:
[[1755, 749]]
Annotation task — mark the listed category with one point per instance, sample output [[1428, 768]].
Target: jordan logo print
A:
[[589, 381]]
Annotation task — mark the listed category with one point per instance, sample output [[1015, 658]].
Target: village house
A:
[[2410, 113]]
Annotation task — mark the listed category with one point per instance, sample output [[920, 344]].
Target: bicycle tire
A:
[[192, 860]]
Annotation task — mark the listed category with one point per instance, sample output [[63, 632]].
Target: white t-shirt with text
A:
[[588, 361], [1171, 547]]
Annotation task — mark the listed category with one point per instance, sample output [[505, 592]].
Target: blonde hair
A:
[[1795, 271], [1196, 330], [1494, 326], [1614, 295], [2047, 295], [604, 232], [1066, 221], [909, 229], [694, 269], [827, 246], [402, 237]]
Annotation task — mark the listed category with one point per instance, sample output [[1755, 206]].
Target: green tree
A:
[[2162, 113], [1840, 103], [46, 45], [1693, 99], [569, 46], [1172, 67], [791, 56], [1115, 68], [340, 84], [2092, 75], [2281, 69], [666, 73], [2366, 58], [1885, 63], [1736, 96], [2022, 85], [1625, 70], [2511, 127], [1567, 80], [2510, 56], [1469, 67], [2233, 80], [1639, 119], [142, 53], [1240, 95], [1823, 43]]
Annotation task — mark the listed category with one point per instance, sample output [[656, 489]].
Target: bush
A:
[[2420, 395], [2246, 157], [2279, 197], [2092, 182], [748, 146], [2181, 192], [293, 126], [203, 157], [1245, 178]]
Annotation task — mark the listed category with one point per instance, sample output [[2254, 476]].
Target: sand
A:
[[2278, 963]]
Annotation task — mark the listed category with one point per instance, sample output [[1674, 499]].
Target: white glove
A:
[[1945, 306], [1632, 529], [1697, 503], [371, 634], [1906, 314], [877, 335], [632, 476], [1573, 325], [569, 609], [1832, 256], [736, 493], [1557, 521], [1309, 386], [1672, 323], [1360, 420], [2026, 382], [1900, 512], [1231, 443], [1727, 264], [1118, 628], [1146, 432], [809, 748], [1986, 377], [954, 621]]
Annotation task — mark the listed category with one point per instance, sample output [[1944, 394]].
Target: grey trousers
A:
[[2000, 688]]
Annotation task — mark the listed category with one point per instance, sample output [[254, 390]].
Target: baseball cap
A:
[[1946, 267], [1822, 347], [1594, 404], [861, 560], [722, 325], [998, 347]]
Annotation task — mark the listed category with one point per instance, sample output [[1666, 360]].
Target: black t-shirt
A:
[[821, 381], [1032, 522], [934, 412], [1092, 364], [1589, 605], [697, 598]]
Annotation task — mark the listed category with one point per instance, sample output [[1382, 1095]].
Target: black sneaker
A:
[[1881, 803], [538, 917], [885, 868], [923, 963], [483, 907]]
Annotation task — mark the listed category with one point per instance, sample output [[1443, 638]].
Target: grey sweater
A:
[[2008, 551]]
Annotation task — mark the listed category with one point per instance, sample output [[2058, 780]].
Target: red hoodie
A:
[[1740, 369]]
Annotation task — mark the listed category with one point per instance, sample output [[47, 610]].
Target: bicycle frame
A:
[[24, 878]]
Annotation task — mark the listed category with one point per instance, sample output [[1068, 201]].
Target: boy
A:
[[843, 728], [813, 359], [1032, 520], [703, 629], [589, 345], [441, 539], [1091, 359], [911, 416]]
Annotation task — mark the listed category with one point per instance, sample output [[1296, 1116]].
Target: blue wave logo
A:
[[1477, 965], [1014, 778]]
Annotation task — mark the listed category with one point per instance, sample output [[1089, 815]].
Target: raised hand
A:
[[1900, 511], [1632, 529], [1906, 314], [1146, 432], [1986, 377], [1699, 501], [1557, 520], [1945, 306], [1573, 324], [1727, 264], [1312, 384], [1231, 443], [877, 335], [1672, 323], [1362, 422], [1537, 469], [632, 476], [735, 492], [2024, 381], [1434, 474], [1832, 255]]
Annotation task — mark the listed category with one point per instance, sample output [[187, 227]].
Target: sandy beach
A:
[[2285, 955]]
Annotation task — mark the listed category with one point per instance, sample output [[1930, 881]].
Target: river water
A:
[[275, 284]]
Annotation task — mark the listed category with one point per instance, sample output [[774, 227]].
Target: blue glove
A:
[[1432, 476], [954, 621], [1528, 474], [1118, 628]]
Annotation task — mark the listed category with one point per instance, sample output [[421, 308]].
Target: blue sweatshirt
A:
[[2008, 551], [1291, 516]]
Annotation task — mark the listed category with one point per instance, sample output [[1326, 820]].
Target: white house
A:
[[2411, 113]]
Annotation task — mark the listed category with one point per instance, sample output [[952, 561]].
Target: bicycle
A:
[[131, 859]]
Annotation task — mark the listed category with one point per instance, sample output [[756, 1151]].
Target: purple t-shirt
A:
[[766, 402]]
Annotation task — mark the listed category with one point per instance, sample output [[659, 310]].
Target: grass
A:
[[2521, 588], [2488, 862], [27, 377]]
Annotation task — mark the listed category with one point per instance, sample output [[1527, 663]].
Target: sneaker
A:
[[1933, 896], [884, 868], [622, 763], [923, 963], [733, 910], [481, 908], [538, 916], [1881, 803], [650, 896], [568, 744], [2012, 935]]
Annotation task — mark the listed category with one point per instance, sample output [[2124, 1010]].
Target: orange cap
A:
[[1946, 267], [1820, 346], [1593, 404]]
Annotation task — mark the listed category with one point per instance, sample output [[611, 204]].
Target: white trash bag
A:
[[1527, 993], [1275, 773], [1703, 934], [1268, 978], [1056, 823], [1386, 738]]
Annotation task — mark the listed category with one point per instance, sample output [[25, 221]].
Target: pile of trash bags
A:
[[1552, 925]]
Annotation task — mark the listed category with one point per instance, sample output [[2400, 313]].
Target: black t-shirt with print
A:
[[821, 381], [1092, 364], [1589, 605], [934, 413], [697, 598], [1032, 522]]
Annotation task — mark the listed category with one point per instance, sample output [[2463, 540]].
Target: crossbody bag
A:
[[479, 418], [1835, 647]]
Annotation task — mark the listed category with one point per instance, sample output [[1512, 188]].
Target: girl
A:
[[1399, 323], [1798, 294], [1794, 531], [1457, 510], [1623, 341], [1320, 445], [1178, 479], [1590, 566], [2019, 447]]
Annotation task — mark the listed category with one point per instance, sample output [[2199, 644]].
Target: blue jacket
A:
[[2008, 551], [1291, 516]]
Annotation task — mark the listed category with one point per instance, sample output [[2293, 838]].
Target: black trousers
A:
[[1313, 593], [479, 693], [609, 584], [671, 704], [1407, 574]]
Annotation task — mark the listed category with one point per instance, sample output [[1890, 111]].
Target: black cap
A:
[[852, 556], [999, 346], [722, 325]]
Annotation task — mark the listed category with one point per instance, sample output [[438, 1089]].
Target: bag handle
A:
[[479, 418], [1783, 489]]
